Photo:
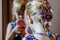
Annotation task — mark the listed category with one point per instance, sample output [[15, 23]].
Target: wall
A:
[[0, 19], [56, 18]]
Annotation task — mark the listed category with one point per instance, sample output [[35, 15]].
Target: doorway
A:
[[6, 15]]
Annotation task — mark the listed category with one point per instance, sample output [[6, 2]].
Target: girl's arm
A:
[[10, 31]]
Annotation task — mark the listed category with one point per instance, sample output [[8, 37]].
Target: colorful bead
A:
[[48, 33], [43, 34]]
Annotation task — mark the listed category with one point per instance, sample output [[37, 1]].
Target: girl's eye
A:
[[29, 5]]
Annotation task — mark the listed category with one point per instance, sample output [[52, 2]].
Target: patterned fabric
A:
[[13, 24], [31, 38]]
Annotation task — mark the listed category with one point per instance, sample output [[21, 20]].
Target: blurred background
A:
[[0, 19], [56, 18], [5, 15]]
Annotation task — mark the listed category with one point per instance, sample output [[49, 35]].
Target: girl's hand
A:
[[15, 29]]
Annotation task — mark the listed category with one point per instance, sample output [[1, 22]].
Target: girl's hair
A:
[[18, 10]]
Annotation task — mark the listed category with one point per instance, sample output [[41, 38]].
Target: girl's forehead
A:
[[32, 3], [32, 7]]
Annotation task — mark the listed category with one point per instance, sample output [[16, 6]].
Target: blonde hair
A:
[[18, 7]]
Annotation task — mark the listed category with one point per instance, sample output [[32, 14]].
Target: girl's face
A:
[[31, 7], [33, 10]]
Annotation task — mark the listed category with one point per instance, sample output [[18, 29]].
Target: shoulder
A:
[[11, 24]]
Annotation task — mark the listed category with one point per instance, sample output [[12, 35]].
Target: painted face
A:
[[31, 7], [33, 10]]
